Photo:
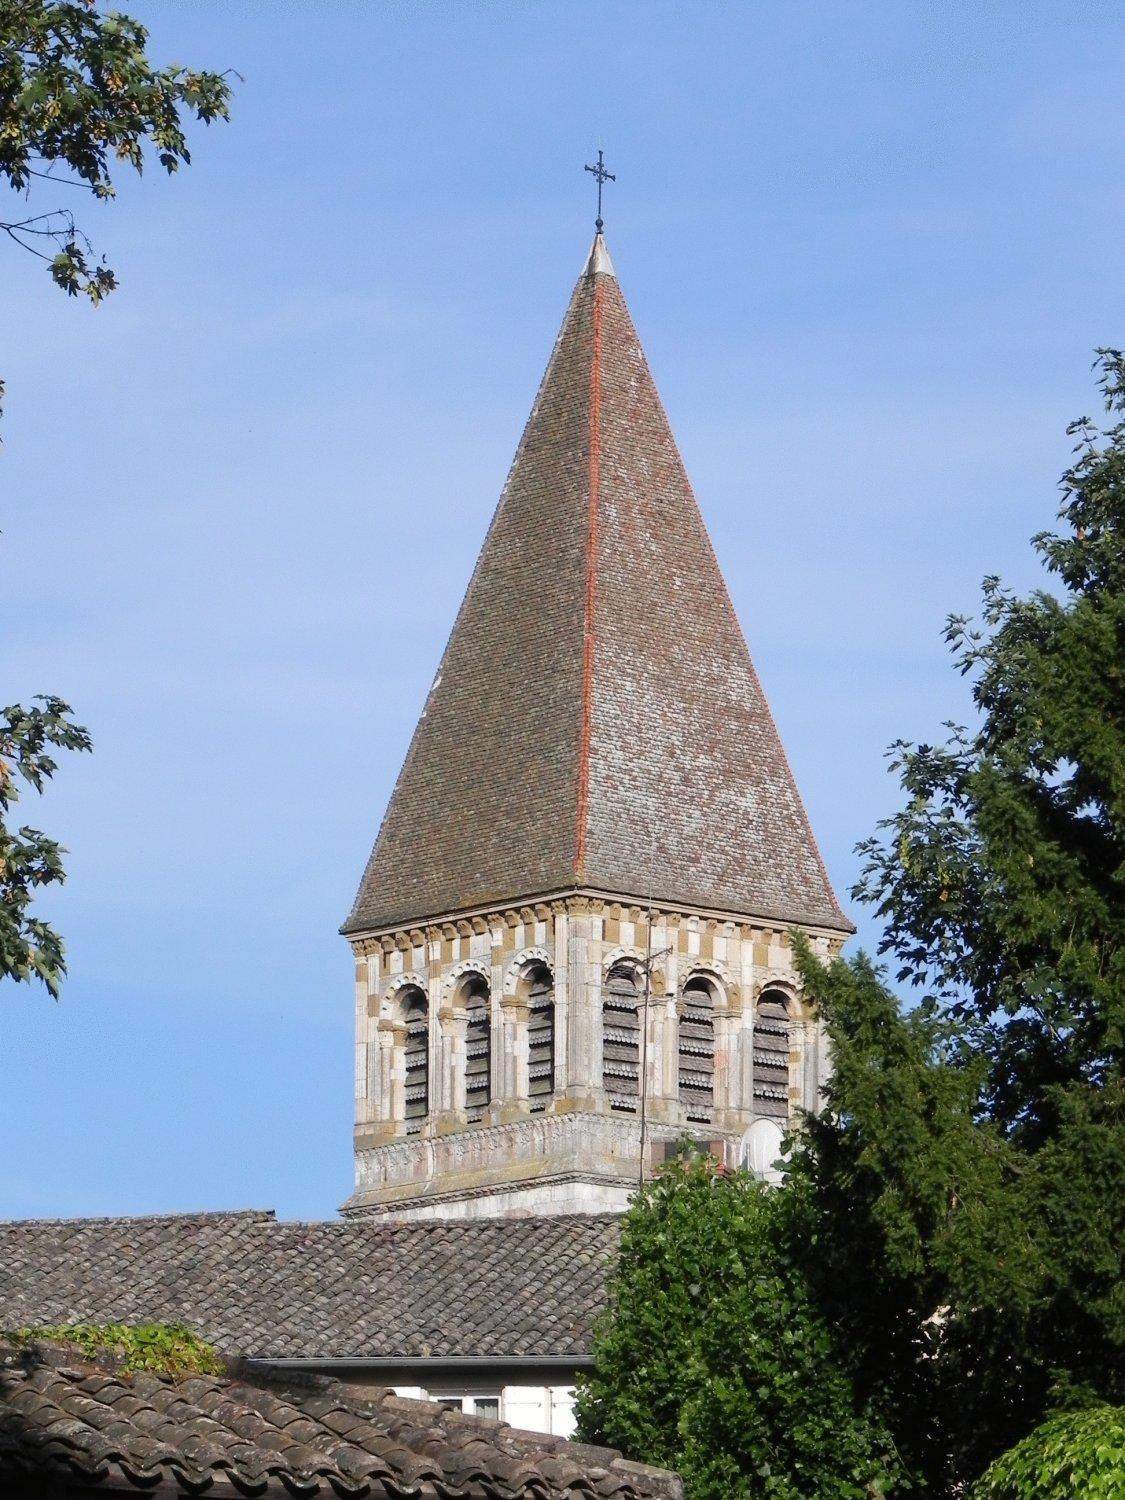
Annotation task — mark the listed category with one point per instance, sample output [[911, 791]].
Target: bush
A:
[[713, 1358], [1072, 1453]]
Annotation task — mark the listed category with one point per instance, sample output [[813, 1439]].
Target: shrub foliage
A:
[[714, 1358], [168, 1348], [1072, 1453]]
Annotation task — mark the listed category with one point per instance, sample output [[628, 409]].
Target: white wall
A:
[[534, 1408]]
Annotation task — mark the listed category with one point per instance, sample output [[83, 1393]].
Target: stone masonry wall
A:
[[579, 1153]]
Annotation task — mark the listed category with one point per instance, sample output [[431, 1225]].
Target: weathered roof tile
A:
[[596, 721], [356, 1289], [392, 1447]]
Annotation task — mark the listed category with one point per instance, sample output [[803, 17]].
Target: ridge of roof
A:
[[204, 1215], [268, 1216], [596, 717]]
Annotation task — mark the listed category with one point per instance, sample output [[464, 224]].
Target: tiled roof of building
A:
[[68, 1425], [250, 1285], [596, 721]]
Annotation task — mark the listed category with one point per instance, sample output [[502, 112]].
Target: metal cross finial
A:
[[601, 177]]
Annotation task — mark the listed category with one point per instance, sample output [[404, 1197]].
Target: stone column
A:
[[584, 1030], [436, 1054], [449, 1081], [363, 1044], [724, 1021], [513, 1094], [744, 1036], [497, 1059], [390, 1103], [562, 1002], [669, 1044], [804, 1036]]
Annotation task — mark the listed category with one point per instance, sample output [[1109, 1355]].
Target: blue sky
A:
[[869, 248]]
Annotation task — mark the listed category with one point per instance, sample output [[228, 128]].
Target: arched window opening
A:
[[478, 1046], [540, 1036], [621, 1039], [697, 1050], [415, 1017], [771, 1055]]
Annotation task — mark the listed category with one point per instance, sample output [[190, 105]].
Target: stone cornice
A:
[[579, 901]]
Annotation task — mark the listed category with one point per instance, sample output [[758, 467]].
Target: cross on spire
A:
[[601, 177]]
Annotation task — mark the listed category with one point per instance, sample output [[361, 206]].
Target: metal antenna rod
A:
[[601, 177], [650, 959]]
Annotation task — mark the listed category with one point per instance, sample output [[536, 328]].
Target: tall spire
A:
[[596, 721]]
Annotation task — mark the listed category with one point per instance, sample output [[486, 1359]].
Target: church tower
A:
[[572, 936]]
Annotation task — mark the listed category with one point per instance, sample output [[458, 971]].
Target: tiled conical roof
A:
[[596, 721]]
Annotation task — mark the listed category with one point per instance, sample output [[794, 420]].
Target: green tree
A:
[[29, 947], [953, 1221], [714, 1359], [1079, 1453], [905, 1190], [1002, 880], [973, 1283], [78, 97], [1002, 886]]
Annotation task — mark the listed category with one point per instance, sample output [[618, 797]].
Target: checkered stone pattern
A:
[[722, 992], [69, 1426]]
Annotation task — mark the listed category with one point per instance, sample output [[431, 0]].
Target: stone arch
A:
[[412, 1015], [523, 960], [716, 975], [537, 980], [399, 982], [622, 992], [617, 956], [453, 979], [789, 985], [635, 957], [471, 992], [701, 995], [774, 1006]]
